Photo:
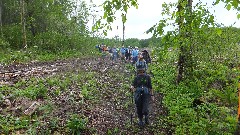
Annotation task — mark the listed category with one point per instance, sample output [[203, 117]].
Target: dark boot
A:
[[140, 123], [146, 119]]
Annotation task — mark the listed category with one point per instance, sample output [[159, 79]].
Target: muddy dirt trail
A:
[[11, 74], [112, 108]]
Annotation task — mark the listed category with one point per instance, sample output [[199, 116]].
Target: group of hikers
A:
[[141, 86], [128, 54]]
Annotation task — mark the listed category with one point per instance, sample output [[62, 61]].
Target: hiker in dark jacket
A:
[[142, 88], [128, 53], [146, 56]]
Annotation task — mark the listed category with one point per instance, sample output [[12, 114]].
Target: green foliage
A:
[[211, 54], [112, 131], [48, 89], [141, 43], [229, 4], [110, 9], [35, 90], [4, 44], [10, 123], [47, 109], [13, 35], [214, 83], [76, 124], [52, 26], [132, 42], [85, 92], [36, 54]]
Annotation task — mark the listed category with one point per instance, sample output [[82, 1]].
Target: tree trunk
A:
[[23, 22], [181, 60], [123, 33], [190, 62], [32, 27], [184, 58], [30, 14]]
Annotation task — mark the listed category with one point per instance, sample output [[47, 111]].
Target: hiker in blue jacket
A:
[[141, 63], [134, 55], [114, 53], [123, 51]]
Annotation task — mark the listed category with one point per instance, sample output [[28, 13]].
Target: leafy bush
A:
[[13, 35], [76, 124], [4, 44], [36, 89], [10, 123], [215, 84]]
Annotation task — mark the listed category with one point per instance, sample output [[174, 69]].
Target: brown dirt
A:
[[110, 115]]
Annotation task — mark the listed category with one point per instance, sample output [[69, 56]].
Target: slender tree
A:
[[23, 22], [184, 32]]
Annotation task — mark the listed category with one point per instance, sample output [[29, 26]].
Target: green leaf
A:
[[235, 3], [124, 18], [105, 15], [134, 3], [125, 7], [160, 28], [150, 29], [217, 1], [238, 16], [109, 19], [229, 7], [118, 5], [105, 32], [219, 32], [211, 19]]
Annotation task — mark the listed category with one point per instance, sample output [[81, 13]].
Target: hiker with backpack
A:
[[104, 52], [128, 53], [142, 88], [114, 54], [134, 55], [99, 48], [141, 63], [123, 51], [146, 56]]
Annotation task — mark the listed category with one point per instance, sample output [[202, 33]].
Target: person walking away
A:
[[110, 53], [134, 55], [99, 48], [128, 54], [114, 53], [122, 51], [142, 88], [118, 50], [131, 49], [141, 63], [104, 52]]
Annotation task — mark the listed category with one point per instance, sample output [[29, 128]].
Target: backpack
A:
[[140, 93], [141, 65]]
